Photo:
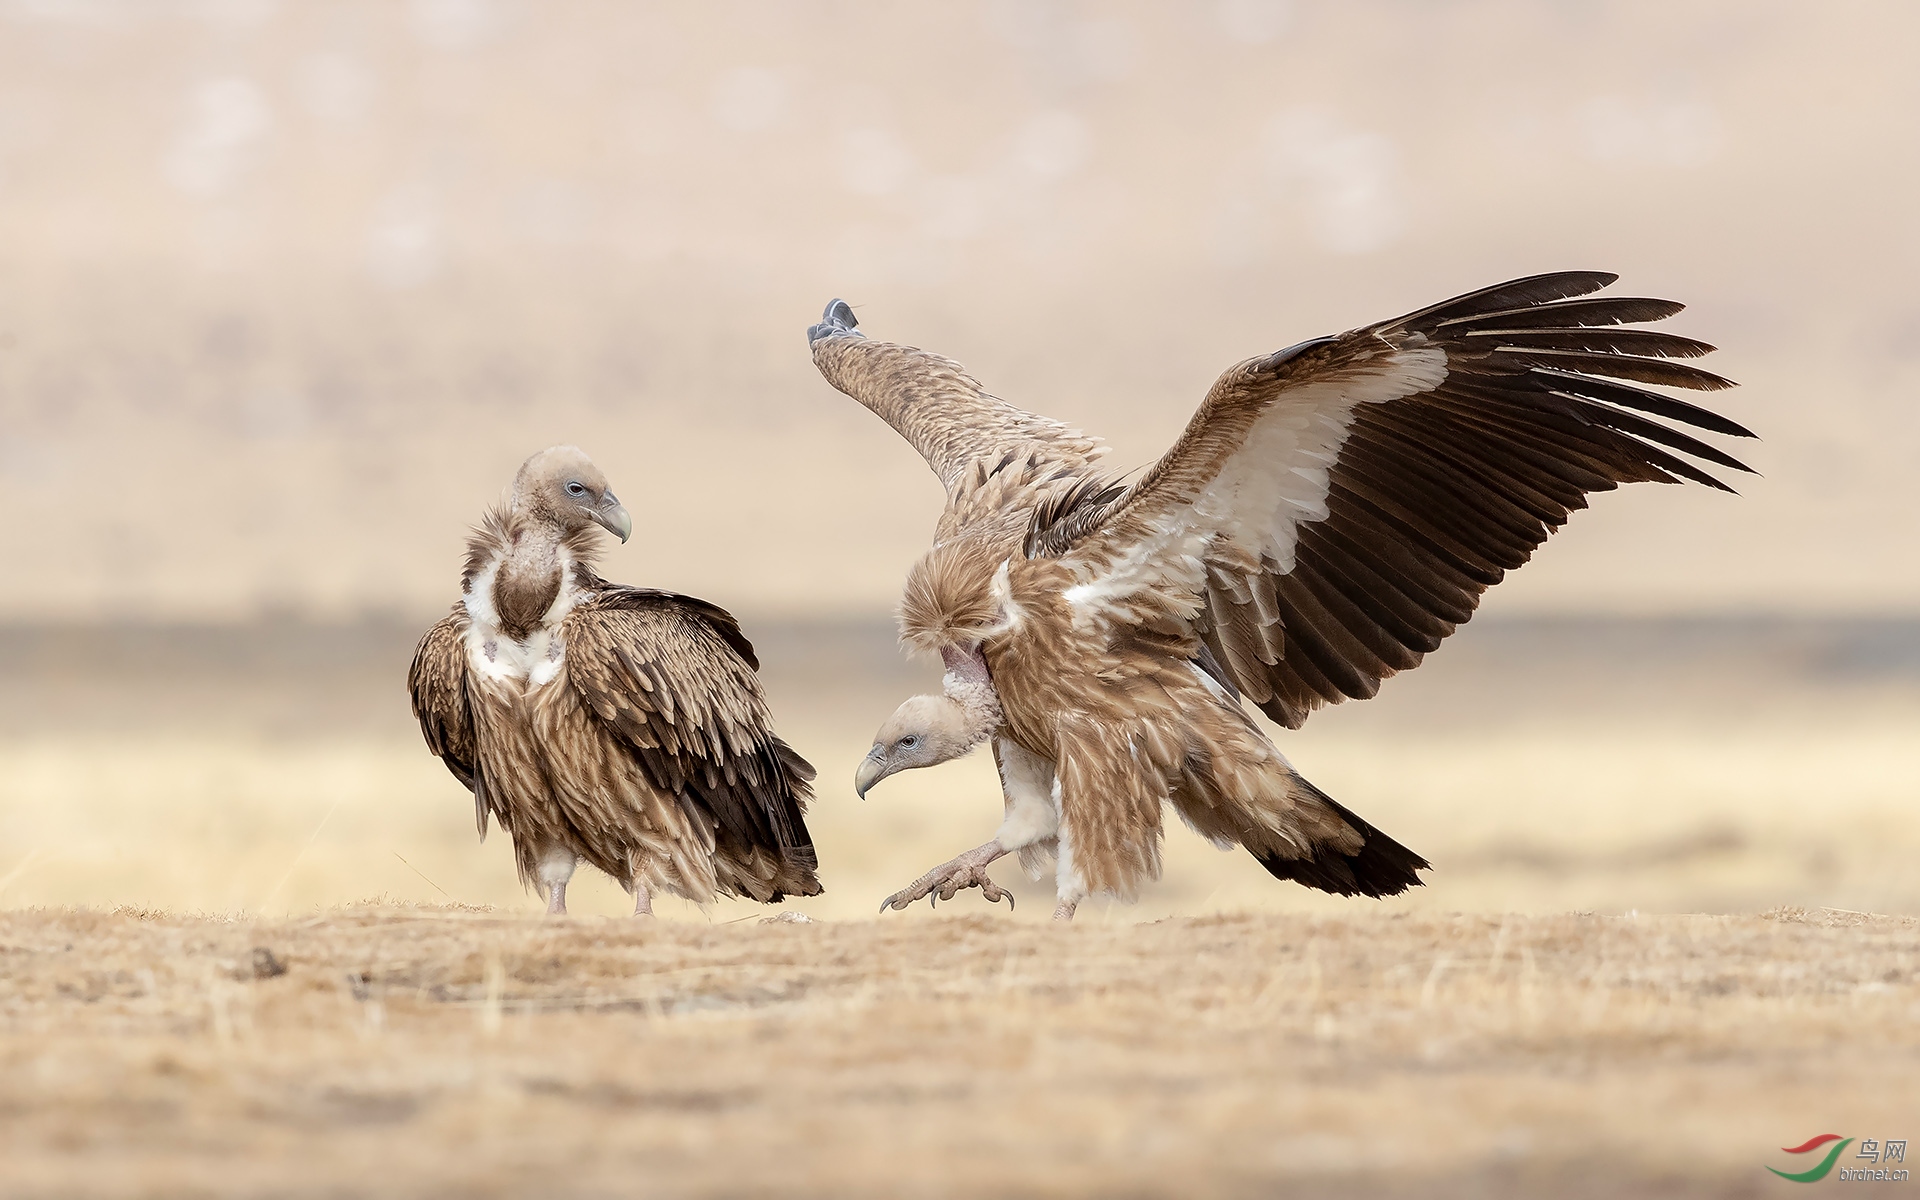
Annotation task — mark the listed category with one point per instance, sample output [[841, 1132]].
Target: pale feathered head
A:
[[560, 485], [928, 730], [923, 732]]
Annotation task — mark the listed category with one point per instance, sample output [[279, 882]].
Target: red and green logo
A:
[[1820, 1169]]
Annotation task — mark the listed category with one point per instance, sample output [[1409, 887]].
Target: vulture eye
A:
[[576, 489], [910, 741]]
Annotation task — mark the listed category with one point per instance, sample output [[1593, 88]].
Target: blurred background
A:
[[288, 290]]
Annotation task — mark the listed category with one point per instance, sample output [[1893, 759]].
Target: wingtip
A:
[[837, 321], [1587, 282]]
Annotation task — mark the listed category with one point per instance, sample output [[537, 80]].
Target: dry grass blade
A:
[[1396, 1055]]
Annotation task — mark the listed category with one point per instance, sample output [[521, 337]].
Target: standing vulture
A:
[[1329, 516], [619, 726]]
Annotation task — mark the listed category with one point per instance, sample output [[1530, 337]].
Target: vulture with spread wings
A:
[[1329, 516], [618, 726]]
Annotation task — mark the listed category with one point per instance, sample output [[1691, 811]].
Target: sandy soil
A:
[[455, 1052]]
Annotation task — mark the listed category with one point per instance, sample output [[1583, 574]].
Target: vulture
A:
[[618, 726], [1332, 512]]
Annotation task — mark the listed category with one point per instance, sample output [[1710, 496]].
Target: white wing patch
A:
[[1277, 480]]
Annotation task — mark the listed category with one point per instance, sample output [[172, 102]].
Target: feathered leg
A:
[[1110, 789], [557, 865], [1071, 888]]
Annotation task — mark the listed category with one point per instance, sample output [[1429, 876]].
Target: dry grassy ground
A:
[[1469, 1039], [453, 1052]]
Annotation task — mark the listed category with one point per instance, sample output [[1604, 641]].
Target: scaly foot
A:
[[948, 879]]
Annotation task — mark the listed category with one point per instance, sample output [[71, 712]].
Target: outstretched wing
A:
[[673, 677], [1336, 509], [966, 435], [438, 683]]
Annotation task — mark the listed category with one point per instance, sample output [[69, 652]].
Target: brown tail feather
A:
[[1381, 867]]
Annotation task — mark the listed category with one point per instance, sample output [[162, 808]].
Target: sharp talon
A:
[[946, 882]]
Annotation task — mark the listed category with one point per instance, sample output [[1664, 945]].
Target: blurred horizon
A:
[[1541, 763], [287, 291]]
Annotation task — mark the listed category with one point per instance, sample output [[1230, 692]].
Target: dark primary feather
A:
[[1435, 496], [1586, 387], [1515, 360], [1607, 340], [1567, 314], [1534, 289]]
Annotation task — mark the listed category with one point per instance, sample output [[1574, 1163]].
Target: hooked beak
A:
[[612, 516], [873, 768]]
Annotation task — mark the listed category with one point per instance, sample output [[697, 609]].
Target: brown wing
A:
[[1336, 509], [966, 435], [438, 683], [674, 678]]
